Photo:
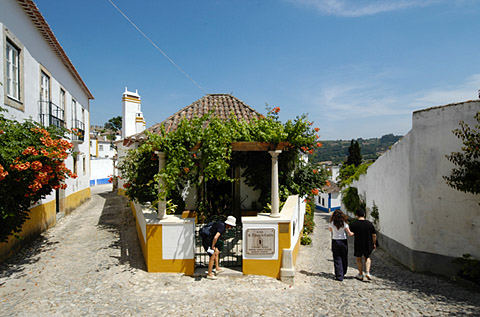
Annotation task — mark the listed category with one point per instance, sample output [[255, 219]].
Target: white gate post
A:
[[275, 196]]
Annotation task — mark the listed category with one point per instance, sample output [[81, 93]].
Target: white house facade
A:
[[39, 82]]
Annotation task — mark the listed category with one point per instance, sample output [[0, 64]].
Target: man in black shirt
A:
[[209, 243], [364, 244]]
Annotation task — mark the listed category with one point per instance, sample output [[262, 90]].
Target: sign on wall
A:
[[260, 241]]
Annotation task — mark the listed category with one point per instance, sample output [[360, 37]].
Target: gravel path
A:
[[91, 263]]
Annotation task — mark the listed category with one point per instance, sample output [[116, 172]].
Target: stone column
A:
[[275, 197], [162, 205]]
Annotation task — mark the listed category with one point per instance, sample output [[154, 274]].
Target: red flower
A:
[[319, 144], [315, 171], [315, 191], [317, 129], [127, 185], [276, 110]]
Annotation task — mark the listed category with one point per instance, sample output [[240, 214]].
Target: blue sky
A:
[[358, 68]]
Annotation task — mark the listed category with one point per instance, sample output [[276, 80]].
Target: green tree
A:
[[354, 154], [113, 125], [466, 176]]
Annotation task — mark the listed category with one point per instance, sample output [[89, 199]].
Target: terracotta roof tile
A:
[[222, 105]]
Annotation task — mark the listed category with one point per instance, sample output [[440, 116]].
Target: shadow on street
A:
[[117, 217]]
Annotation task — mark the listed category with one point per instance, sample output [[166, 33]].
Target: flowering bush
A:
[[31, 166]]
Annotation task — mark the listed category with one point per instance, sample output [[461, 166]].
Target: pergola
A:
[[273, 149]]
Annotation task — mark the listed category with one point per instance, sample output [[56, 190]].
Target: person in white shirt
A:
[[338, 226]]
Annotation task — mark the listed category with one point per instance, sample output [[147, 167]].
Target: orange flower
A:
[[317, 129], [328, 183], [186, 169], [276, 110], [3, 173], [315, 191], [319, 144], [36, 165], [315, 171]]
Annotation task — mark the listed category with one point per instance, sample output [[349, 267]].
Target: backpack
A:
[[205, 230]]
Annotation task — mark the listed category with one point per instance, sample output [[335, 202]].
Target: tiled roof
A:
[[39, 21], [333, 188], [222, 104]]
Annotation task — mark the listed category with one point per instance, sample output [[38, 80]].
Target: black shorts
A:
[[207, 243], [359, 253]]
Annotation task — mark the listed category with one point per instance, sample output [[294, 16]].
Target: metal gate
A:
[[231, 255]]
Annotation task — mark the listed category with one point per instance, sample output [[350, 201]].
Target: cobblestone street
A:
[[91, 263]]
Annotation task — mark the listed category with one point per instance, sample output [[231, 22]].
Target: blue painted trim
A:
[[92, 182], [321, 208], [102, 181], [330, 201]]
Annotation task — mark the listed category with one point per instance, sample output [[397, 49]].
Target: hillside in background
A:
[[337, 151]]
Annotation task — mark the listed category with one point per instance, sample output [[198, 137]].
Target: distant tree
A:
[[389, 138], [466, 176], [354, 154], [113, 125]]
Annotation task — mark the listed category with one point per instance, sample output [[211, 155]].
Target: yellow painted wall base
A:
[[42, 217], [76, 199], [269, 268], [152, 252]]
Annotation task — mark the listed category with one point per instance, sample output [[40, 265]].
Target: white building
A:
[[41, 83], [102, 154], [102, 147], [330, 199], [423, 222], [132, 116]]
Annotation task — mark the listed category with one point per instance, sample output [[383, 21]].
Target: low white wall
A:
[[416, 207], [101, 169]]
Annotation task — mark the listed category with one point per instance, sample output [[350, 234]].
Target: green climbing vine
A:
[[199, 155]]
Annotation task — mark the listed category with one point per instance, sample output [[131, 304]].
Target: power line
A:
[[158, 48]]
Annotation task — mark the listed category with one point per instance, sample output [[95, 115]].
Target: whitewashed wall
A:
[[102, 169], [417, 209], [38, 55]]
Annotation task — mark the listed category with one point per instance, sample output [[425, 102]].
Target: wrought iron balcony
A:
[[51, 114], [78, 131]]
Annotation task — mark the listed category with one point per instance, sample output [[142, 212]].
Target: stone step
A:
[[228, 272]]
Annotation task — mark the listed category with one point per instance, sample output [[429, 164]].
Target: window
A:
[[62, 99], [12, 71], [74, 113], [100, 147], [84, 166], [45, 99], [12, 81]]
